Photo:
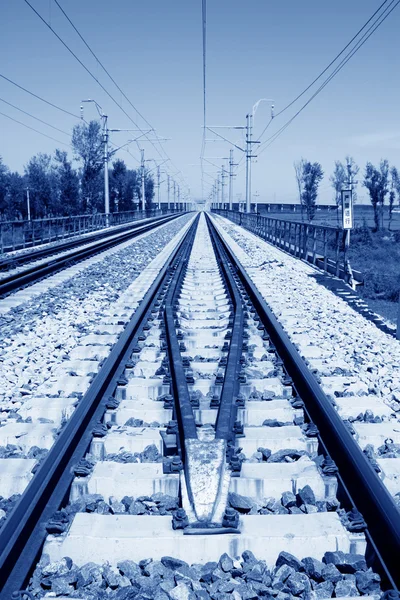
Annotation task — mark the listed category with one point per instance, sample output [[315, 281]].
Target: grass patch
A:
[[377, 256]]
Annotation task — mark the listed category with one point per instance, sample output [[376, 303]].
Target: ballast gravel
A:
[[37, 336], [347, 344], [244, 578]]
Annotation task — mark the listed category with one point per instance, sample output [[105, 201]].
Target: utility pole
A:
[[179, 198], [28, 204], [347, 265], [142, 180], [106, 187], [174, 194], [168, 191], [158, 187], [106, 153], [218, 202], [249, 156], [231, 176], [222, 187]]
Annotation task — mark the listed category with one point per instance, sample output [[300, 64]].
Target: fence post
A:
[[337, 252], [325, 250], [305, 242], [314, 255], [398, 321]]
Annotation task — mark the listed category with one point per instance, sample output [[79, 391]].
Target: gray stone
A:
[[182, 592], [313, 568], [61, 587], [111, 578], [207, 571], [345, 588], [129, 568], [285, 558], [280, 455], [249, 558], [228, 586], [240, 503], [282, 574], [167, 585], [118, 508], [246, 592], [127, 593], [306, 496], [137, 508], [225, 563], [156, 568], [174, 563], [150, 454], [324, 590], [219, 574], [102, 508], [367, 581], [331, 573], [256, 573], [346, 563], [288, 499], [298, 583], [295, 510]]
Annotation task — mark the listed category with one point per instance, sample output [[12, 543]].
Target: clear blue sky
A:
[[255, 49]]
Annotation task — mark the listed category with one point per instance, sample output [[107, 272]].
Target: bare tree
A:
[[88, 149], [337, 180], [311, 176], [352, 170], [298, 169], [394, 189], [376, 182]]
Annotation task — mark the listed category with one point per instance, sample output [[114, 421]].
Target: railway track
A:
[[29, 268], [204, 434]]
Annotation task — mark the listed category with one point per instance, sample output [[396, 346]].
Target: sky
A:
[[255, 49]]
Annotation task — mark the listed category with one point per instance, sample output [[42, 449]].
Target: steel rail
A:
[[183, 407], [227, 411], [366, 489], [30, 275], [17, 260], [23, 535]]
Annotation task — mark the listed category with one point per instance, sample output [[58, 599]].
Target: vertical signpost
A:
[[347, 216]]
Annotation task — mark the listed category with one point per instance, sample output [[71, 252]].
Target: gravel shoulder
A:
[[312, 315], [37, 336]]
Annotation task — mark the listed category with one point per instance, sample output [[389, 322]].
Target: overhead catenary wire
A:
[[36, 118], [331, 63], [204, 40], [94, 77], [344, 61], [67, 112], [366, 35], [33, 129]]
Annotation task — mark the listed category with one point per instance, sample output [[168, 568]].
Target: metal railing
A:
[[320, 245], [16, 235]]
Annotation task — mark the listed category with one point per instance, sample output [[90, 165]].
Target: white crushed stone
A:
[[355, 348], [36, 338]]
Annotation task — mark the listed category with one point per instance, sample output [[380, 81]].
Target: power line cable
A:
[[101, 64], [333, 61], [90, 73], [377, 23], [204, 38], [33, 117], [33, 129], [39, 97]]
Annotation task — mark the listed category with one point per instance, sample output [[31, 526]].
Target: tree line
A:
[[58, 188], [381, 182]]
